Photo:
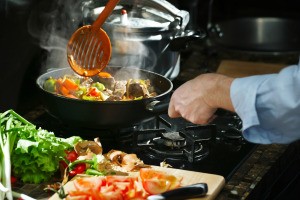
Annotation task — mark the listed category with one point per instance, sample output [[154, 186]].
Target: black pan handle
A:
[[157, 106], [186, 192]]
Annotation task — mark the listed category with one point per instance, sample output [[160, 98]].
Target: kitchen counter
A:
[[200, 59]]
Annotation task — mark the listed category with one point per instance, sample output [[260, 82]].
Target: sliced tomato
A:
[[155, 185], [77, 195], [118, 178], [155, 182], [125, 184], [108, 192], [89, 183]]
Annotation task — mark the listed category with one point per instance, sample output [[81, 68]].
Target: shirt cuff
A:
[[243, 96]]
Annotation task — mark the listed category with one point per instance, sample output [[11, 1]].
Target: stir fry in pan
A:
[[103, 87]]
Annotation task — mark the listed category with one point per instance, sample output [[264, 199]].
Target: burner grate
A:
[[190, 144]]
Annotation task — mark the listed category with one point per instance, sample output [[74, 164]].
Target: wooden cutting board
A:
[[239, 69], [215, 182]]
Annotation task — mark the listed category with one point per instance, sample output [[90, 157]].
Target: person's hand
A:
[[198, 99]]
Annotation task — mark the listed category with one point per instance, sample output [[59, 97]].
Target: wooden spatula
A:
[[89, 48]]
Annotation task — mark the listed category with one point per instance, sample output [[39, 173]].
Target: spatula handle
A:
[[109, 7]]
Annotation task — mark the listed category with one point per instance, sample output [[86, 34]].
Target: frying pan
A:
[[107, 114]]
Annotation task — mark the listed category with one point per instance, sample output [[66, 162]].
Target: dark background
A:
[[21, 56]]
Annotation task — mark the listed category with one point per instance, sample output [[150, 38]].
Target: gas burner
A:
[[190, 144], [171, 139]]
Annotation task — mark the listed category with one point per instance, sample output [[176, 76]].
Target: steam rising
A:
[[53, 23]]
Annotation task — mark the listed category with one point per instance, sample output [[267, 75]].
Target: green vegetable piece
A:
[[88, 98], [99, 86], [138, 98], [94, 172], [49, 85]]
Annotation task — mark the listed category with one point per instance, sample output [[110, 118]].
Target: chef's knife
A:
[[190, 191]]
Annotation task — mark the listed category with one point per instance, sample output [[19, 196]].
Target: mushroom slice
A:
[[131, 162], [82, 148]]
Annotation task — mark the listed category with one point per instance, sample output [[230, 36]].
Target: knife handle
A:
[[190, 191]]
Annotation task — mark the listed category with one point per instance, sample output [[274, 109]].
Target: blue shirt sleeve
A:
[[269, 106]]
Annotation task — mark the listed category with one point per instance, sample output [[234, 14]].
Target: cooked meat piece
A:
[[106, 94], [108, 82], [137, 89], [119, 88]]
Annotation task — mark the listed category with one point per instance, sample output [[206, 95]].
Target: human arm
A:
[[269, 106], [198, 99]]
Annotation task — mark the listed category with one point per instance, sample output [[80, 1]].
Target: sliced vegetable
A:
[[49, 84], [105, 75], [70, 84], [123, 187], [94, 172], [60, 88], [94, 92], [156, 182], [99, 86]]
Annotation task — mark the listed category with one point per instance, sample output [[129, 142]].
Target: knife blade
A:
[[190, 191]]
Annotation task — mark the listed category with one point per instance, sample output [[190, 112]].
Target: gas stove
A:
[[216, 148]]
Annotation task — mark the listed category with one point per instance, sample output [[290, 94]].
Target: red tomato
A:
[[78, 169], [71, 155], [155, 182], [63, 164], [13, 179]]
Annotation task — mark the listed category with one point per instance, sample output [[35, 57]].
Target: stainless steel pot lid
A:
[[141, 16]]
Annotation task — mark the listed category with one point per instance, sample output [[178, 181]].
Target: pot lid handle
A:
[[164, 6]]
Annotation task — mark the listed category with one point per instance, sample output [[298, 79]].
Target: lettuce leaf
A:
[[37, 153]]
